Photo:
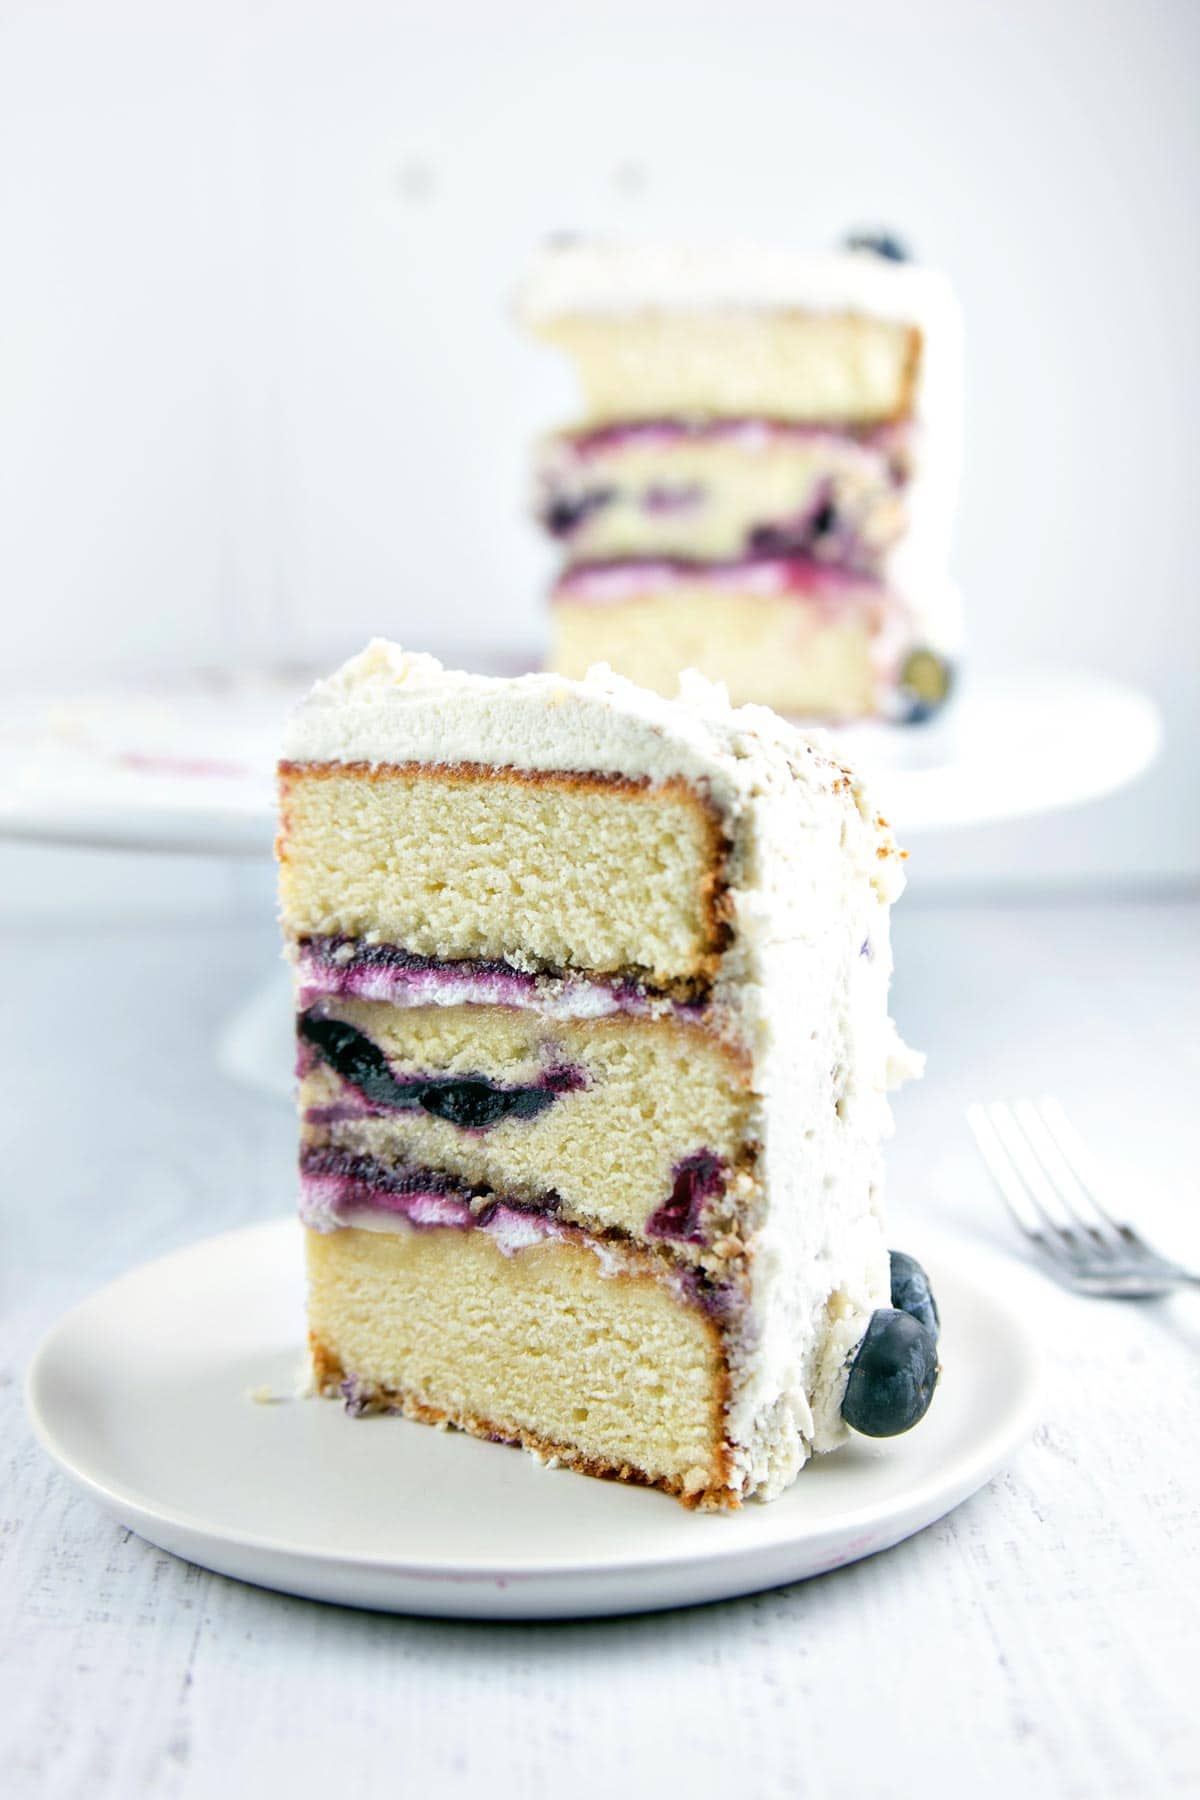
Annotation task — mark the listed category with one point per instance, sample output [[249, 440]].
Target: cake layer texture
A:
[[549, 870], [741, 329], [725, 489], [602, 1360], [639, 1125], [809, 643], [836, 369]]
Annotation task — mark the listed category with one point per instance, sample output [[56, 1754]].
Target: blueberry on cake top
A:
[[593, 1051]]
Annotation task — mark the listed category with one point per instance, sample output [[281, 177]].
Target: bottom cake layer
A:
[[802, 652], [603, 1358]]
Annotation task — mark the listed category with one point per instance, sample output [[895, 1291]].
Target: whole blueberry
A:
[[911, 1292], [893, 1376], [925, 684], [878, 243]]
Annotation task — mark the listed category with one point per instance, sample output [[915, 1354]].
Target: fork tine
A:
[[1041, 1189], [1072, 1152], [1073, 1197], [1041, 1169], [1030, 1217]]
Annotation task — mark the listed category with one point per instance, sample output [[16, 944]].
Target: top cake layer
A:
[[559, 825], [748, 330]]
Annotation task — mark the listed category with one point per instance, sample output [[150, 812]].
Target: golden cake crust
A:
[[704, 1495]]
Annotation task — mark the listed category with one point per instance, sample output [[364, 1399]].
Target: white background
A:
[[260, 394]]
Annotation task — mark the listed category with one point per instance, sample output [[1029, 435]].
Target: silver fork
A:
[[1048, 1182]]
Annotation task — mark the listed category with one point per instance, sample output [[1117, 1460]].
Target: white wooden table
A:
[[1040, 1641]]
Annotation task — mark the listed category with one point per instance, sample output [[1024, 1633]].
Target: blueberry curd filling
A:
[[563, 513], [804, 578], [352, 969], [473, 1102], [696, 1180], [340, 1187], [891, 440], [821, 529]]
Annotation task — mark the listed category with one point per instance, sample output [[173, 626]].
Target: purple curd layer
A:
[[349, 967], [791, 577], [341, 1189], [892, 440]]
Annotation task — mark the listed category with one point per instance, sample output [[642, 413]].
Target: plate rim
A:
[[973, 1468]]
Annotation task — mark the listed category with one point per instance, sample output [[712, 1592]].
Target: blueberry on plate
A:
[[892, 1377], [878, 243], [911, 1292], [925, 683]]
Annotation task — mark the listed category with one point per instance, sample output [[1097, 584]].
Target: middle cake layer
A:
[[718, 489], [642, 1126]]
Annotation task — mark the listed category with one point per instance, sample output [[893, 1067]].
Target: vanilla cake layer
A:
[[544, 869], [724, 489], [789, 364], [798, 651], [639, 1125], [598, 1358]]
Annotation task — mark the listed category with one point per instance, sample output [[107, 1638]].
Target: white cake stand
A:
[[191, 769], [189, 766]]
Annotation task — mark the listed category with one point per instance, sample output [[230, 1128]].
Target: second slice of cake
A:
[[593, 1049], [762, 484]]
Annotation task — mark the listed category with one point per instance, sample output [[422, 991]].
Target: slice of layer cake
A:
[[756, 419], [593, 1048]]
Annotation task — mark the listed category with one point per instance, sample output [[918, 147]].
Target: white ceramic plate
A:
[[142, 1396], [191, 766]]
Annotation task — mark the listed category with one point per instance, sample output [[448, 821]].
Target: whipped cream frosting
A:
[[593, 276], [388, 705]]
